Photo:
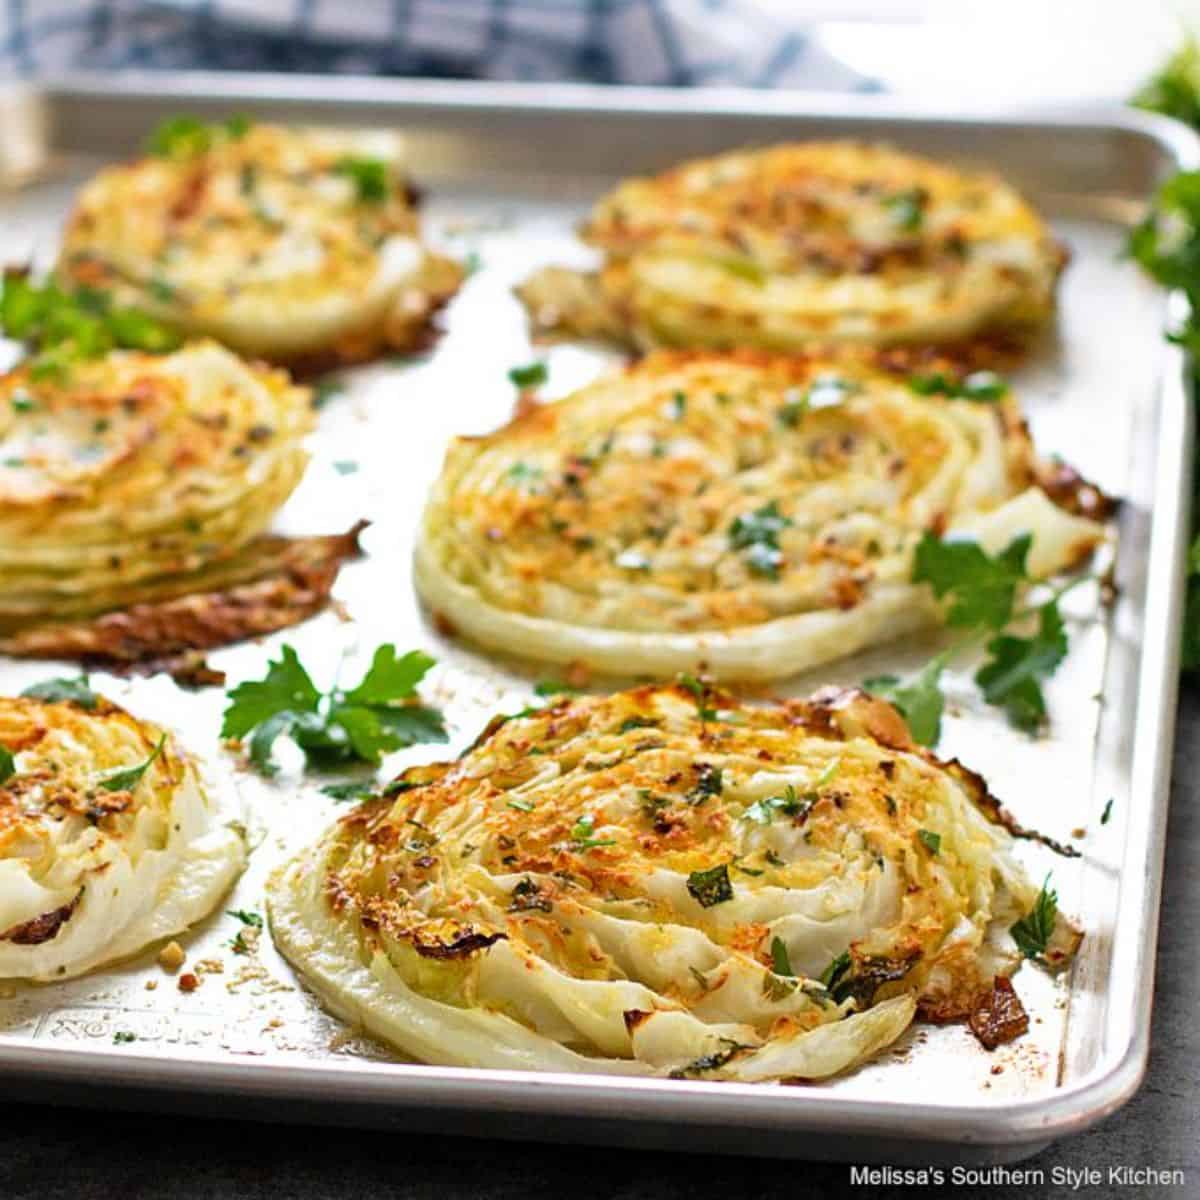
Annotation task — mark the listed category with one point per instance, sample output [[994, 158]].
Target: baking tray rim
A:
[[1007, 1123]]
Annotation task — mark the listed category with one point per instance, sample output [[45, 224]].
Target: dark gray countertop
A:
[[47, 1153]]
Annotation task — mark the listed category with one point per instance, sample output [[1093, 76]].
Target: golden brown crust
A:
[[275, 583]]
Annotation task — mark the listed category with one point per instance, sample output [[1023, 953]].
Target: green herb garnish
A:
[[253, 919], [1033, 931], [919, 699], [128, 779], [71, 327], [930, 840], [756, 534], [781, 964], [65, 690], [532, 375], [583, 834], [338, 726], [369, 176], [8, 764], [710, 887]]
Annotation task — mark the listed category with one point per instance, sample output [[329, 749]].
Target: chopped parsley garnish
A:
[[22, 403], [709, 782], [1107, 813], [524, 806], [710, 887], [356, 725], [836, 969], [583, 834], [554, 687], [64, 690], [521, 472], [781, 964], [253, 919], [70, 327], [369, 176], [907, 209], [531, 375], [756, 534], [349, 790], [1033, 931], [123, 1038], [128, 779], [711, 1062], [8, 764], [186, 137], [790, 804], [702, 691], [930, 840], [678, 406], [986, 387]]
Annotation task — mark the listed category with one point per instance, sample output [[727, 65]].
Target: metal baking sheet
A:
[[509, 171]]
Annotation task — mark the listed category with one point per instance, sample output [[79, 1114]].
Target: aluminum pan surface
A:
[[1091, 394]]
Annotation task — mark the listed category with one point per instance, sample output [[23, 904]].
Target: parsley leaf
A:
[[8, 764], [530, 376], [1011, 678], [907, 209], [252, 919], [554, 687], [73, 691], [583, 834], [130, 777], [287, 688], [930, 840], [982, 386], [982, 587], [1106, 815], [919, 698], [369, 176], [1033, 931], [361, 724], [68, 327], [349, 790], [710, 887], [757, 534], [836, 969], [781, 964], [390, 678]]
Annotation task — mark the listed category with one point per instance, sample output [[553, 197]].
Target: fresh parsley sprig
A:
[[1032, 933], [981, 591], [8, 764], [339, 726]]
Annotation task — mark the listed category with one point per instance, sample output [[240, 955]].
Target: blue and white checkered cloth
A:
[[674, 42]]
